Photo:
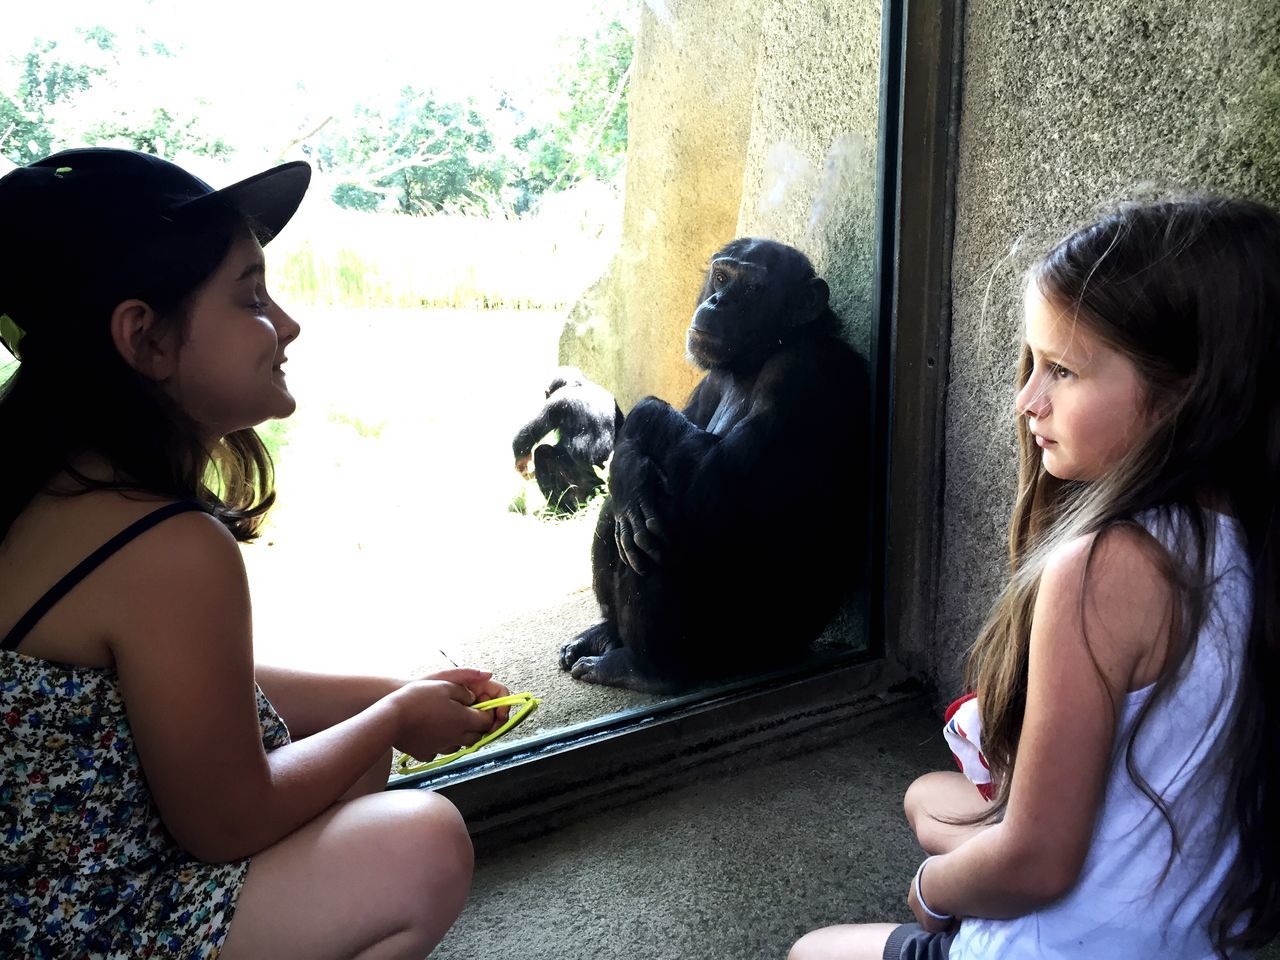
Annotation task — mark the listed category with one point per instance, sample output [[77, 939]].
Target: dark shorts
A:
[[911, 942]]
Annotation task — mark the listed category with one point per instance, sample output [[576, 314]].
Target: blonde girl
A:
[[1127, 676]]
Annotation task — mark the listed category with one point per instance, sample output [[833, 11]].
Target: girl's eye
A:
[[260, 306], [1061, 372]]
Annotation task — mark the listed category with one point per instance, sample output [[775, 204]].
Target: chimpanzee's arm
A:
[[656, 452]]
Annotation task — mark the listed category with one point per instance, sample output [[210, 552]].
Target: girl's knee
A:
[[801, 949], [426, 845], [913, 800]]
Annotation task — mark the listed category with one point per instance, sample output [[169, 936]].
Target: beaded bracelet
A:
[[944, 917]]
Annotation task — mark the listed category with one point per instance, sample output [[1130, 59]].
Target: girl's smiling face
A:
[[228, 373], [1084, 401]]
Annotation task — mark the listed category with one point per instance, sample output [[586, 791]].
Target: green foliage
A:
[[589, 136], [420, 155], [48, 76], [413, 153], [274, 435], [42, 113], [158, 132], [361, 427]]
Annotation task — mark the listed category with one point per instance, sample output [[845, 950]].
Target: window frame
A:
[[537, 784]]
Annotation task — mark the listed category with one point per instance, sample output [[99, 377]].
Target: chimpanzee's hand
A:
[[639, 533], [638, 490]]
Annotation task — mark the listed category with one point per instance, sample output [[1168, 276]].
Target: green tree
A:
[[156, 131], [49, 74], [419, 155], [589, 136], [48, 107]]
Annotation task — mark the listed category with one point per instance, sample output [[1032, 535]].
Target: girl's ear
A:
[[145, 346]]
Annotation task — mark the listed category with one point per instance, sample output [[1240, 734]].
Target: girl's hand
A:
[[482, 686], [930, 924], [434, 716]]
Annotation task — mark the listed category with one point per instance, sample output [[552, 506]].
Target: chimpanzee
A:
[[733, 529], [587, 419]]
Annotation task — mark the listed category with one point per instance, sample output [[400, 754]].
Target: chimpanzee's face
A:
[[754, 292]]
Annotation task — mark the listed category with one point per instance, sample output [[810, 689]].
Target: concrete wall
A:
[[1067, 107], [746, 118]]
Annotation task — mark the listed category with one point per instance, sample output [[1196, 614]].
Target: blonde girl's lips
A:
[[1042, 442]]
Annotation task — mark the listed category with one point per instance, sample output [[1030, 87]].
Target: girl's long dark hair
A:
[[1189, 291], [73, 393]]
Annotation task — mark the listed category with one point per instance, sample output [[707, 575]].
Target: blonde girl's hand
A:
[[435, 717], [482, 686], [930, 923]]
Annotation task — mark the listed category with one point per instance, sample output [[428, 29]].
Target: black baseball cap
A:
[[80, 213]]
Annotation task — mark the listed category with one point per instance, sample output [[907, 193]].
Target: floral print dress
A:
[[87, 869]]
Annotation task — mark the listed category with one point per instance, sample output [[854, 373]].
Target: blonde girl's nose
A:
[[1032, 400]]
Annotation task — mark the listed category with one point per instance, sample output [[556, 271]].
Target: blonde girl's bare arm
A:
[[1035, 855], [181, 638]]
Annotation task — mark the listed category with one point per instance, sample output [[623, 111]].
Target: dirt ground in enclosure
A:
[[392, 548]]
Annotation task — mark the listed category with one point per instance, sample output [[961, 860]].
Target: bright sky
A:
[[265, 66]]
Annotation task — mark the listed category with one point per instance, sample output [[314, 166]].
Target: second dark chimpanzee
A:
[[587, 419], [733, 529]]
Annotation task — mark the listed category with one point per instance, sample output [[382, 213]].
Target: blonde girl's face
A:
[[230, 365], [1084, 401]]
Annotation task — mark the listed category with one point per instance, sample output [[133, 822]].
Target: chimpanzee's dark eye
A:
[[719, 277]]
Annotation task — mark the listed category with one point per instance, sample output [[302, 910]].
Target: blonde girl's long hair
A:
[[1189, 291]]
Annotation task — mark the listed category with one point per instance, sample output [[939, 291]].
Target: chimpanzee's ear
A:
[[813, 301]]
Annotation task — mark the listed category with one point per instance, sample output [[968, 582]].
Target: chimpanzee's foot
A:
[[591, 642], [618, 667]]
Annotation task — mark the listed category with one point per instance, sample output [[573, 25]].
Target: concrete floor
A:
[[731, 868]]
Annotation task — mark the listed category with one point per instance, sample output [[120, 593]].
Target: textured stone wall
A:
[[746, 118], [811, 161], [690, 107], [1068, 107]]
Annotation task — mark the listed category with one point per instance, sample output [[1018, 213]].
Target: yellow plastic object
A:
[[523, 705]]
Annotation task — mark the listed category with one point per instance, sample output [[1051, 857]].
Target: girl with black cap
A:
[[154, 801]]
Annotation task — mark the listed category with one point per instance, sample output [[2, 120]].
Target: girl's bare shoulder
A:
[[1111, 589], [185, 553], [1122, 556]]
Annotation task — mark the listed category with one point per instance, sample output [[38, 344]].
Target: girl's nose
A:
[[1033, 399], [287, 328]]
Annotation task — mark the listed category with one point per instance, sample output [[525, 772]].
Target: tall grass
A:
[[449, 260]]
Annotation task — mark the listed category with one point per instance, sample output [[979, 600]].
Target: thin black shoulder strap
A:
[[88, 565]]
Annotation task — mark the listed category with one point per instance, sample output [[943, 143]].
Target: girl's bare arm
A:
[[181, 638], [1075, 691]]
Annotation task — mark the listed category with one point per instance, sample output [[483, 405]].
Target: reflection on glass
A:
[[483, 215]]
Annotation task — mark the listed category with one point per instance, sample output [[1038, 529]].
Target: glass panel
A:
[[500, 189]]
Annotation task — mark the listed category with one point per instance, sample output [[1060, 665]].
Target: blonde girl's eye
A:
[[1061, 372]]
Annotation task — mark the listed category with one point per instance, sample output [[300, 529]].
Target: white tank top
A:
[[1120, 908]]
